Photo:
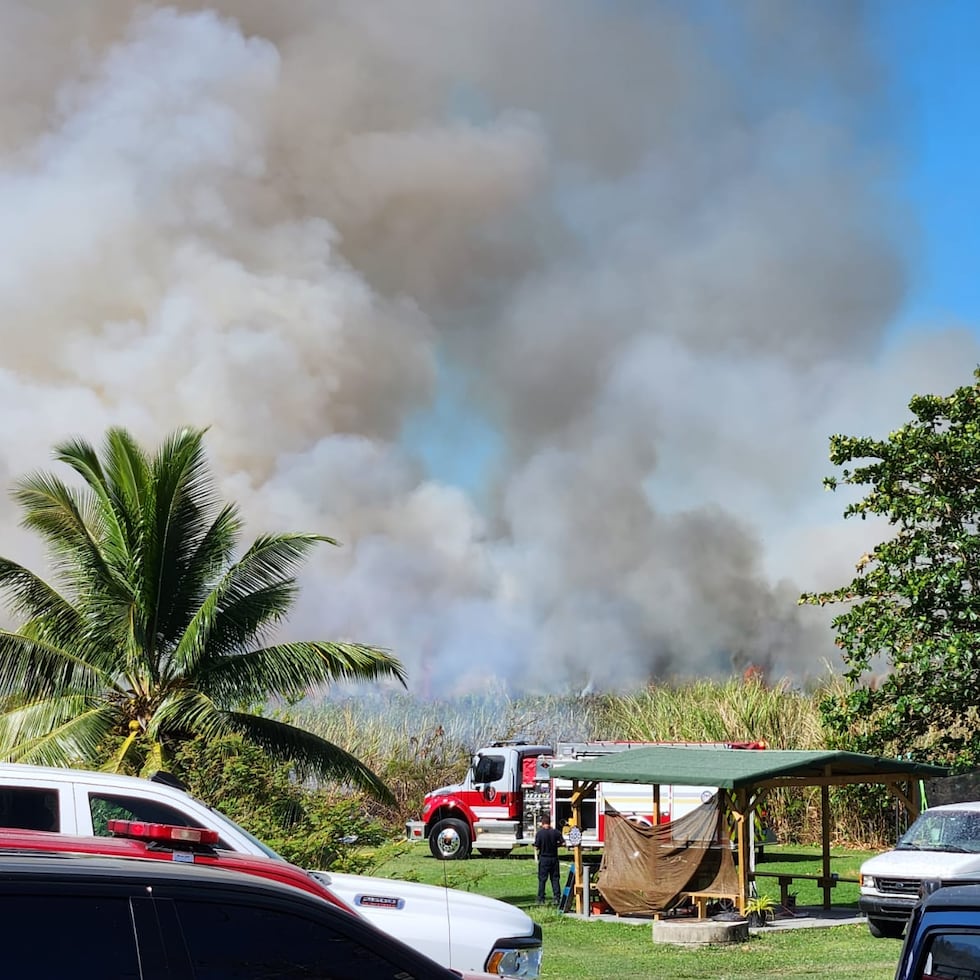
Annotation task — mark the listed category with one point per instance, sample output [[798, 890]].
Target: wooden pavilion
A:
[[744, 777]]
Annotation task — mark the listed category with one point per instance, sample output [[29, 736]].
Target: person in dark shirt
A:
[[546, 843]]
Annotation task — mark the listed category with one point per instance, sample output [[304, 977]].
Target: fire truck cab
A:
[[498, 805]]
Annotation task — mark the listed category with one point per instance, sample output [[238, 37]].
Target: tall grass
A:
[[377, 726], [747, 709], [709, 711], [417, 746], [420, 745]]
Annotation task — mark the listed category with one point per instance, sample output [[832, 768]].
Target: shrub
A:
[[314, 828]]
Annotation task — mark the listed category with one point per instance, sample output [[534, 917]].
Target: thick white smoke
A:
[[644, 246]]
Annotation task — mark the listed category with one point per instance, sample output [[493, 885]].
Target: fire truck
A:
[[509, 788]]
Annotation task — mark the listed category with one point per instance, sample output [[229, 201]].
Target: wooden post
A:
[[825, 835], [908, 796], [656, 804], [578, 791], [742, 815]]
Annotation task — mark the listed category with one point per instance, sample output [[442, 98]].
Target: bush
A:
[[314, 828]]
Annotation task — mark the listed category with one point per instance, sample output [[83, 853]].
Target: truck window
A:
[[112, 806], [29, 808], [51, 935], [965, 832], [941, 830], [952, 956], [489, 769]]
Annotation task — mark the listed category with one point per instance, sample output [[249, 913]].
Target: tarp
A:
[[689, 765], [645, 870]]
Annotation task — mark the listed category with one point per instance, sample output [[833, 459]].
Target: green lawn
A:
[[595, 950]]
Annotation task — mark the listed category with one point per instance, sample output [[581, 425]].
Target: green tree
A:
[[314, 828], [157, 633], [910, 636]]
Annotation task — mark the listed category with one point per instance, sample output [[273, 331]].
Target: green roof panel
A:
[[737, 768]]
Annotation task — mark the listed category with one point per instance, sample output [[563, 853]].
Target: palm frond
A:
[[176, 521], [272, 560], [55, 512], [250, 620], [311, 755], [117, 761], [199, 572], [286, 669], [30, 596], [180, 468], [154, 760], [58, 731], [194, 639], [187, 712], [30, 668], [83, 459], [254, 594], [127, 474]]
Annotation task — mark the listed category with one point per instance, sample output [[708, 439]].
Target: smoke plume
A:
[[546, 311]]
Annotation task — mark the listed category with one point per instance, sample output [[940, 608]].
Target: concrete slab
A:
[[816, 917], [805, 917], [700, 932]]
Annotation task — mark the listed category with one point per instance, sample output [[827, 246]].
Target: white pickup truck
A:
[[463, 931], [941, 847]]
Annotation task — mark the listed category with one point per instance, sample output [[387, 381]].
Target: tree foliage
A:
[[913, 608], [154, 631], [311, 827]]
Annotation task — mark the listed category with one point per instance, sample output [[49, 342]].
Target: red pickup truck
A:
[[186, 845]]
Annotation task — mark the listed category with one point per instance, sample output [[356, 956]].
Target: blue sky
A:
[[931, 50]]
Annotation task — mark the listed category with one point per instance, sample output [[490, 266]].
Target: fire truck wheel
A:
[[450, 840]]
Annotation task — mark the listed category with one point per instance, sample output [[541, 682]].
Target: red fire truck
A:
[[508, 789]]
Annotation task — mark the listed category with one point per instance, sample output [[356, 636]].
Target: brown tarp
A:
[[645, 870]]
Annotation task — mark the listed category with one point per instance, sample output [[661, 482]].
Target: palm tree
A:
[[158, 634]]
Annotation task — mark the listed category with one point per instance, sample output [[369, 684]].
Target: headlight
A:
[[515, 962], [868, 881]]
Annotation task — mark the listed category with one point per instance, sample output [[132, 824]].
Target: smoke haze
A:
[[643, 249]]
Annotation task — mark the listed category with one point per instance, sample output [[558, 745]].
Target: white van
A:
[[463, 931], [941, 846]]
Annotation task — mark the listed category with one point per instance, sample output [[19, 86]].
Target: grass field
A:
[[582, 950]]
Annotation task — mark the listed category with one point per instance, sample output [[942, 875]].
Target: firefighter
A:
[[546, 844]]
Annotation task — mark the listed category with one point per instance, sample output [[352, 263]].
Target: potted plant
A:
[[760, 910]]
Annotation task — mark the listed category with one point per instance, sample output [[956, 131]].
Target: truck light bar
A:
[[140, 830]]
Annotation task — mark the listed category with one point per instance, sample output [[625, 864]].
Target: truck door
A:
[[495, 779]]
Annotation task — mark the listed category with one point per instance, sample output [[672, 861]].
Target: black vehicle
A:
[[88, 916], [942, 940]]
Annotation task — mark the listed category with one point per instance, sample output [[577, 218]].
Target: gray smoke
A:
[[643, 247]]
